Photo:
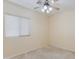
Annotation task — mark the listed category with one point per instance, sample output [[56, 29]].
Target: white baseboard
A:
[[24, 52], [61, 48]]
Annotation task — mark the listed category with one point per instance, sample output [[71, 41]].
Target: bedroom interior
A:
[[39, 29]]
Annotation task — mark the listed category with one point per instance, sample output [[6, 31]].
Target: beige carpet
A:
[[47, 53]]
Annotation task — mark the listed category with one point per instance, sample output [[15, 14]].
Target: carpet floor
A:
[[47, 53]]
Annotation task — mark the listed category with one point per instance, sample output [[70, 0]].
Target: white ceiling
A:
[[32, 3]]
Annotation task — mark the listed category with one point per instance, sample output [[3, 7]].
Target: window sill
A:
[[19, 37]]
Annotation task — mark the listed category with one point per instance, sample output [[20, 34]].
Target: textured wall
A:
[[62, 29], [39, 36]]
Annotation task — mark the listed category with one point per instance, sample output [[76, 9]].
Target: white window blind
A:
[[16, 26], [25, 27]]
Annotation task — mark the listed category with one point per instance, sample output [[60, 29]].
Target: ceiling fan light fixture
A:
[[47, 11], [45, 7], [50, 8], [43, 10], [52, 1]]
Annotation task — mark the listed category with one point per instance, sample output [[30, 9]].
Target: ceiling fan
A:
[[46, 5]]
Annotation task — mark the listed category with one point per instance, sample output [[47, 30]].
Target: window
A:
[[17, 26]]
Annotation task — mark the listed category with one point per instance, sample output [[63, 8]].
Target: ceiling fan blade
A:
[[55, 0], [56, 8], [39, 2], [36, 7]]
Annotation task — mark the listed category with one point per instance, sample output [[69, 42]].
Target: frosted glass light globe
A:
[[45, 7], [52, 1], [50, 8], [43, 10], [48, 11]]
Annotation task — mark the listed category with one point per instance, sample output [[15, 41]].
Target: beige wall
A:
[[62, 30], [59, 26], [39, 36]]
